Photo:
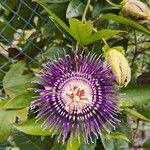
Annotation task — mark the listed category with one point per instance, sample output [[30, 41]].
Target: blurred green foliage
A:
[[32, 32]]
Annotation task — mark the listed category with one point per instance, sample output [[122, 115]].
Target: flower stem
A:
[[104, 41], [102, 38], [85, 11]]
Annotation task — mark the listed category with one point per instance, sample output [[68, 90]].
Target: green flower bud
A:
[[136, 10], [114, 57]]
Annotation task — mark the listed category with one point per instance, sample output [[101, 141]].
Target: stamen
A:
[[76, 95]]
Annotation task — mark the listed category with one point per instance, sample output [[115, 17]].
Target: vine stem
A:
[[136, 48], [112, 4], [85, 11], [136, 129]]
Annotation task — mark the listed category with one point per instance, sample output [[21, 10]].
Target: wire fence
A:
[[22, 24], [20, 32]]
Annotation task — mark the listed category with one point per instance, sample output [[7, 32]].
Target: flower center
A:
[[77, 94]]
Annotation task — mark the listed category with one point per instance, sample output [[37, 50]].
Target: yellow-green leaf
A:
[[32, 127], [15, 82], [7, 118], [135, 114], [125, 21]]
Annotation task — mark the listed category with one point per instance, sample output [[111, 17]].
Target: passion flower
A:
[[77, 97]]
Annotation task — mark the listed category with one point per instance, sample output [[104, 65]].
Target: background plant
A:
[[32, 32]]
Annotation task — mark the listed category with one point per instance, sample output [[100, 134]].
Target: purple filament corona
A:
[[77, 98]]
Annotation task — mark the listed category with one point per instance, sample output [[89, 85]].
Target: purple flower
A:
[[77, 97]]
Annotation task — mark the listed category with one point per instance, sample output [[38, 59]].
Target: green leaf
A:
[[58, 10], [32, 127], [117, 135], [57, 19], [3, 102], [20, 101], [80, 31], [105, 33], [125, 21], [114, 144], [144, 110], [14, 82], [135, 96], [74, 145], [48, 29], [146, 145], [90, 146], [135, 114], [75, 8], [27, 142], [7, 118], [58, 146], [53, 52]]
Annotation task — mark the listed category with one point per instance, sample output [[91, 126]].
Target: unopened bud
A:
[[114, 57], [136, 10]]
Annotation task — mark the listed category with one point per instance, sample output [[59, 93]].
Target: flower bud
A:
[[136, 10], [114, 57]]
